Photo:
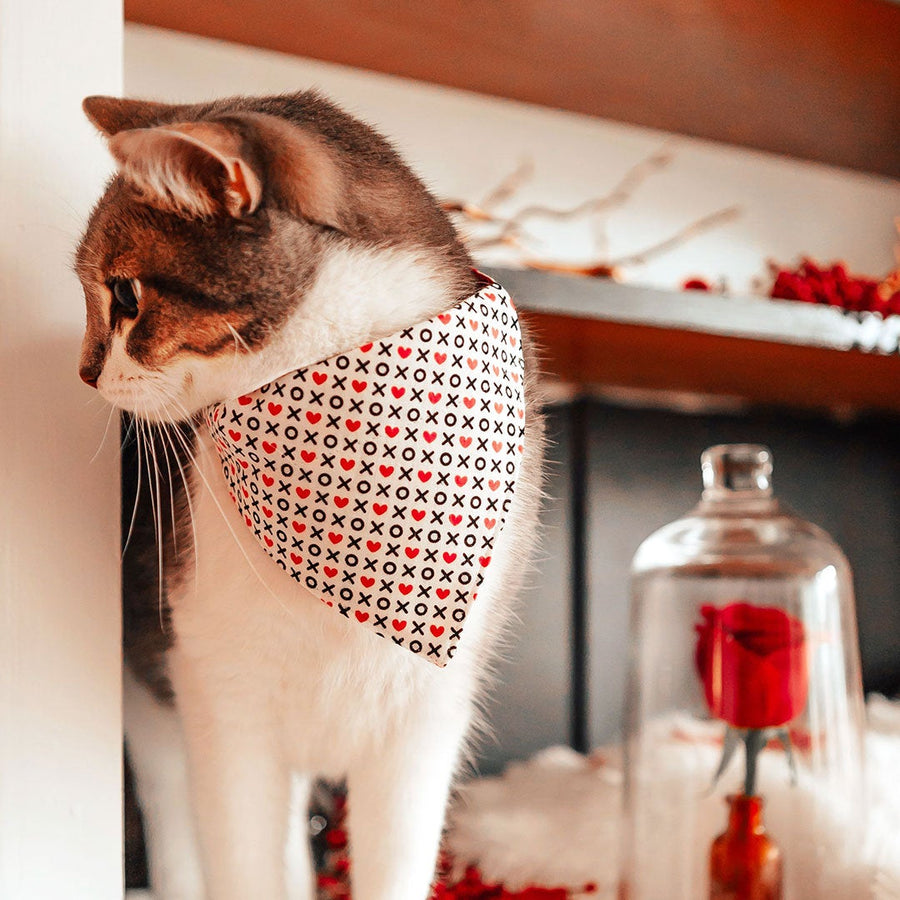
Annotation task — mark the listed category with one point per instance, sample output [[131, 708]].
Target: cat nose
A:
[[89, 377]]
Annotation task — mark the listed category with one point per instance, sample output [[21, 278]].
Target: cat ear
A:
[[196, 168], [302, 171], [110, 115]]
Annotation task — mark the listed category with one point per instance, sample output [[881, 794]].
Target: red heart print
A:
[[268, 480], [424, 476], [268, 540], [493, 485], [379, 508], [437, 630], [490, 523], [296, 559], [443, 593], [365, 348], [391, 430], [485, 561], [320, 377], [469, 401], [341, 502], [498, 407], [405, 588], [361, 616], [497, 445], [433, 397], [244, 491], [398, 392], [418, 514], [244, 464], [334, 537], [399, 624], [429, 436], [269, 446], [374, 546], [313, 417], [367, 581], [445, 318], [267, 512], [386, 470], [472, 362], [347, 464], [440, 358], [249, 521], [455, 519], [307, 455], [245, 400], [465, 441], [299, 527], [327, 602], [449, 557], [473, 324], [411, 552], [302, 492], [360, 386], [234, 435], [353, 424], [461, 480], [330, 571]]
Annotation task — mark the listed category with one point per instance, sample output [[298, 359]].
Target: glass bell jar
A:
[[744, 719]]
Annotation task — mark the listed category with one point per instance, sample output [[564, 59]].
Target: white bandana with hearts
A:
[[380, 479]]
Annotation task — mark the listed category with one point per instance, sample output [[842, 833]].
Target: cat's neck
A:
[[359, 294]]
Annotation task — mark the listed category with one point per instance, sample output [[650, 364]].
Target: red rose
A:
[[752, 661]]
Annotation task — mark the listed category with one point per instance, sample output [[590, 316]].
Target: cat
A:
[[241, 240]]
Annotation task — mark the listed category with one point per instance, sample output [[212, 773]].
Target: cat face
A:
[[200, 261]]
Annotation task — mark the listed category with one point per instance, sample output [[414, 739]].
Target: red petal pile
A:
[[333, 883], [834, 286]]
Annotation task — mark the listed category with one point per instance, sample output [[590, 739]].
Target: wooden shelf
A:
[[598, 332]]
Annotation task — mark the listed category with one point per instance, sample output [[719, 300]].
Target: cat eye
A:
[[127, 292]]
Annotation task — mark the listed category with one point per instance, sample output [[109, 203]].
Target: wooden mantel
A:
[[815, 79]]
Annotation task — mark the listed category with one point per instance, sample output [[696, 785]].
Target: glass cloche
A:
[[744, 720]]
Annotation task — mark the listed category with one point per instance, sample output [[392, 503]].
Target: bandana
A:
[[380, 479]]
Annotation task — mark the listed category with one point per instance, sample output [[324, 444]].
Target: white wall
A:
[[60, 647], [464, 144]]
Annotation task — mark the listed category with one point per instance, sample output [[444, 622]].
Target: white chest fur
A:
[[272, 654]]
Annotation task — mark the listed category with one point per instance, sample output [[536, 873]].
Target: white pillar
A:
[[60, 721]]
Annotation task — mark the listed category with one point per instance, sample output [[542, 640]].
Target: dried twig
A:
[[612, 268], [680, 237]]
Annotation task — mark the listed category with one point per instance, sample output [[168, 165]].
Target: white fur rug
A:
[[555, 821]]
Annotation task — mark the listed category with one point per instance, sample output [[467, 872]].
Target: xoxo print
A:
[[380, 479]]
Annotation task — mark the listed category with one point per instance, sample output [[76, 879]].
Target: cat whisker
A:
[[176, 430], [112, 409], [215, 500], [158, 523], [238, 340], [137, 494]]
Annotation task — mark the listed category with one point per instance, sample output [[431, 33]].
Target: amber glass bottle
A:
[[744, 862]]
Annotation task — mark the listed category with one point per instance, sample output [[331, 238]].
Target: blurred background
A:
[[602, 157]]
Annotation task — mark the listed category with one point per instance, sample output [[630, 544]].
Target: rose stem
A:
[[753, 742]]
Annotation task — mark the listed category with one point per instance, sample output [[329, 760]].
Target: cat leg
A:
[[157, 755], [240, 785], [298, 855], [397, 800]]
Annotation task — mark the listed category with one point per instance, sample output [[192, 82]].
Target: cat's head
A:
[[244, 238]]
